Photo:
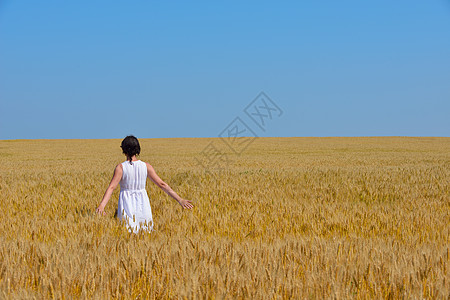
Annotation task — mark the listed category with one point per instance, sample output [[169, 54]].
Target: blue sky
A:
[[105, 69]]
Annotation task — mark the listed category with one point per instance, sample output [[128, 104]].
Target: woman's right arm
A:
[[166, 188]]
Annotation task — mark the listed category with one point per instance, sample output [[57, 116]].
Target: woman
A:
[[134, 205]]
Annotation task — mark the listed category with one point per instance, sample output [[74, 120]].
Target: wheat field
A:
[[303, 218]]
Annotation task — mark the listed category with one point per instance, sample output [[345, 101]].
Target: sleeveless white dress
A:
[[134, 204]]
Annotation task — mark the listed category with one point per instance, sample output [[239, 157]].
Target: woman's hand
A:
[[100, 211], [187, 204]]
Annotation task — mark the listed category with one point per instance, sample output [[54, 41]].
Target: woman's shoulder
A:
[[146, 164], [142, 163], [118, 168]]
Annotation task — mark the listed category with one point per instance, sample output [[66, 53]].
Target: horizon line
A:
[[217, 137]]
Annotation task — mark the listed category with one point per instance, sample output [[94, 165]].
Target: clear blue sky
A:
[[105, 69]]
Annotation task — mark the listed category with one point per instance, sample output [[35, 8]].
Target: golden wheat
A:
[[288, 218]]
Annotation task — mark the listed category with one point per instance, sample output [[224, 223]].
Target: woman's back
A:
[[134, 175], [134, 204]]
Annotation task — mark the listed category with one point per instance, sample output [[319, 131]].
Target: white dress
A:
[[134, 204]]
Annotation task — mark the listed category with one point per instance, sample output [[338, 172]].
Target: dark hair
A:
[[130, 146]]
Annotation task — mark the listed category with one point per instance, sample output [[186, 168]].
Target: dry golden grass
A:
[[290, 218]]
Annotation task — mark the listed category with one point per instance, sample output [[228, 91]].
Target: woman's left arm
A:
[[117, 176]]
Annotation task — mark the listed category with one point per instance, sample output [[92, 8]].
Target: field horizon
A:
[[216, 137], [274, 217]]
